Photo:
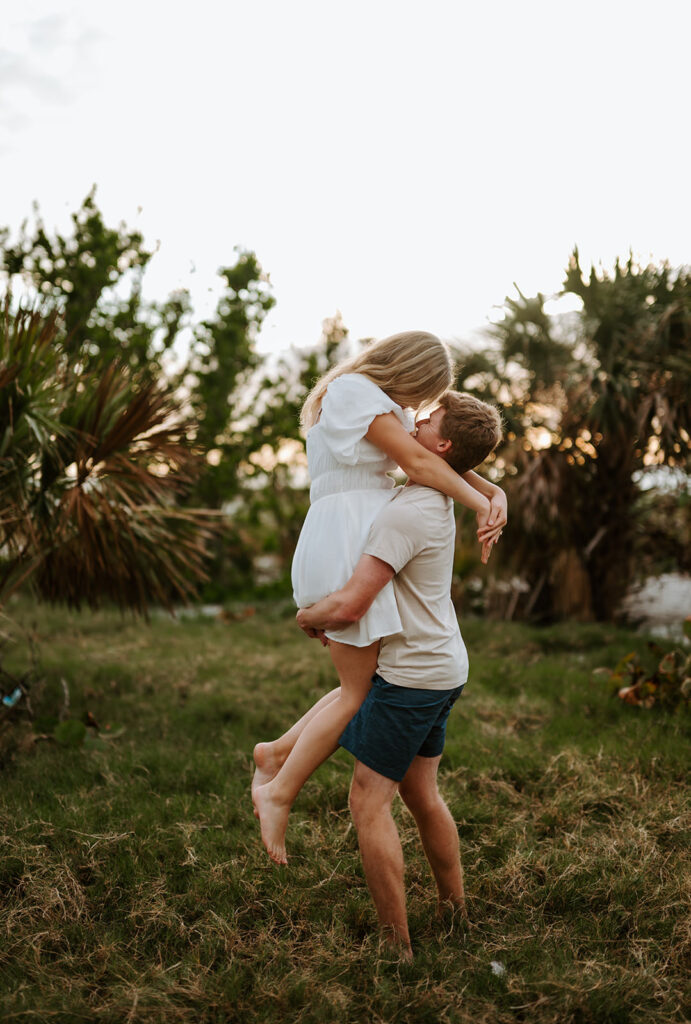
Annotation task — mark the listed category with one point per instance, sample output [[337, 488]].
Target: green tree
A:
[[222, 365], [593, 400], [93, 276]]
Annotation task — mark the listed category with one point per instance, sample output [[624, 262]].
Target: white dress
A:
[[349, 488]]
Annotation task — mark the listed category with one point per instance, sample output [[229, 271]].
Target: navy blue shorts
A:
[[396, 724]]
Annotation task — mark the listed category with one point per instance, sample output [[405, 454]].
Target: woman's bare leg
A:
[[316, 741], [270, 757]]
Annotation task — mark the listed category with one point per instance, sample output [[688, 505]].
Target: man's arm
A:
[[350, 603]]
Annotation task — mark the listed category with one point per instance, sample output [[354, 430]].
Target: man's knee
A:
[[361, 802], [421, 799], [356, 802], [371, 794]]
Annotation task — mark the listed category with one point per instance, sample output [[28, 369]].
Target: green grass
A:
[[133, 885]]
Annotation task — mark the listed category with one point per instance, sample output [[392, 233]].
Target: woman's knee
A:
[[349, 702]]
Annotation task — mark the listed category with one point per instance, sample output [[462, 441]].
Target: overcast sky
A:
[[402, 162]]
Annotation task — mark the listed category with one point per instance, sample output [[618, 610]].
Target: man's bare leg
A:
[[437, 830], [371, 795], [317, 741], [270, 757]]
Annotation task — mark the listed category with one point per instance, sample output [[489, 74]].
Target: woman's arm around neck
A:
[[420, 465]]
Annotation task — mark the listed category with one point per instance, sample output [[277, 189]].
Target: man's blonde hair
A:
[[472, 426], [414, 368]]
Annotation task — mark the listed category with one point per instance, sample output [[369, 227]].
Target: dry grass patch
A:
[[134, 887]]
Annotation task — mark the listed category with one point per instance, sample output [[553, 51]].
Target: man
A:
[[398, 735]]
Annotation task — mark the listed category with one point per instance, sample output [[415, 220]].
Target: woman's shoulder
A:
[[355, 388], [356, 398], [354, 382]]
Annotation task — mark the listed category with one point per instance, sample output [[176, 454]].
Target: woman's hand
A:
[[490, 523], [499, 509]]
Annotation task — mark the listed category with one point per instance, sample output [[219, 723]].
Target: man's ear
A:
[[444, 446]]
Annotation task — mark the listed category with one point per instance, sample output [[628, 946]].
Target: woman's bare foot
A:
[[267, 763], [273, 818]]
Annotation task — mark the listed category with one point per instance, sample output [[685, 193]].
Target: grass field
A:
[[134, 886]]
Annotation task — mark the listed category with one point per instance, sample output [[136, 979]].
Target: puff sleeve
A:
[[350, 404]]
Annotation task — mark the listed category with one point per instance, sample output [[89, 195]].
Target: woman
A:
[[359, 428]]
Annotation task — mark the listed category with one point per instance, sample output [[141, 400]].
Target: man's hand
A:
[[313, 634], [347, 605]]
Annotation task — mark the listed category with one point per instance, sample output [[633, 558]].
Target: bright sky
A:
[[402, 162]]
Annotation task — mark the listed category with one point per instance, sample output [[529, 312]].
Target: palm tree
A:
[[592, 401], [91, 466]]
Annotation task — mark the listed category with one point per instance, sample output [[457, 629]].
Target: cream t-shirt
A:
[[415, 535]]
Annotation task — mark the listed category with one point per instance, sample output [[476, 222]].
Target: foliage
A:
[[93, 277], [224, 358], [591, 401], [243, 416], [91, 467], [217, 380], [663, 680], [662, 537]]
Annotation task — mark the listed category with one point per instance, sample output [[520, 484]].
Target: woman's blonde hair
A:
[[414, 368]]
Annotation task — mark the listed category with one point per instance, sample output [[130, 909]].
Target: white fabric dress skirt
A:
[[349, 488]]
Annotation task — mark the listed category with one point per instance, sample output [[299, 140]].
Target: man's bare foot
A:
[[396, 951], [273, 818], [267, 765], [452, 911], [405, 954], [452, 916]]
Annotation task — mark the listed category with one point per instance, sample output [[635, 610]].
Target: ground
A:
[[135, 888]]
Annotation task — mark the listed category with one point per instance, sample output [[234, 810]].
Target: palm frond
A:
[[91, 467]]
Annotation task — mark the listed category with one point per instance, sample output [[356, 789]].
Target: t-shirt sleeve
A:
[[350, 404], [396, 535]]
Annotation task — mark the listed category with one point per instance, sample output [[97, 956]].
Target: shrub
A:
[[663, 679]]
